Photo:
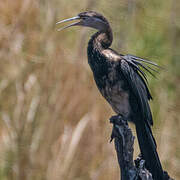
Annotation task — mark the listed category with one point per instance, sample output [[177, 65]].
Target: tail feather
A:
[[148, 150]]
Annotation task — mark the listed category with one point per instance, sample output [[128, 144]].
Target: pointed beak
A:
[[70, 25]]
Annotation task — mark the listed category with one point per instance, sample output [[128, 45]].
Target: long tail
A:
[[147, 146]]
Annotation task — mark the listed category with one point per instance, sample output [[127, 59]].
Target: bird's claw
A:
[[117, 119], [117, 122]]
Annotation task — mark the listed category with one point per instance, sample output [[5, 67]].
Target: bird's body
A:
[[106, 65], [108, 79], [123, 84]]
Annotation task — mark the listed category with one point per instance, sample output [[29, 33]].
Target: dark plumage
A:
[[122, 82]]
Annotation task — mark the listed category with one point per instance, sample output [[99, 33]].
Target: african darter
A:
[[122, 82]]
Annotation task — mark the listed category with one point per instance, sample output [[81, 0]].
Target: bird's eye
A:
[[85, 17]]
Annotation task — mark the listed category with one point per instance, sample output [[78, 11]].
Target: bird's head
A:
[[89, 19]]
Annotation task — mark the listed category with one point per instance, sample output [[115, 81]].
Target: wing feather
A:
[[138, 87]]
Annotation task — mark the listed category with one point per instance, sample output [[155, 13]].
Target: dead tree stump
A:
[[124, 141]]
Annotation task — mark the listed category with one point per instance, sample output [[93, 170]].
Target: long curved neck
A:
[[101, 40]]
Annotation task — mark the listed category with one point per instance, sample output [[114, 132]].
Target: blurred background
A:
[[54, 124]]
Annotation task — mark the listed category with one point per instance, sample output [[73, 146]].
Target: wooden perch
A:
[[124, 141]]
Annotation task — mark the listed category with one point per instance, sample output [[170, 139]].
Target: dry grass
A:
[[54, 123]]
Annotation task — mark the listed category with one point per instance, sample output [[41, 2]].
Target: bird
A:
[[121, 79]]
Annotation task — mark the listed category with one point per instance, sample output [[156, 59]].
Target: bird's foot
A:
[[118, 119], [118, 122]]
